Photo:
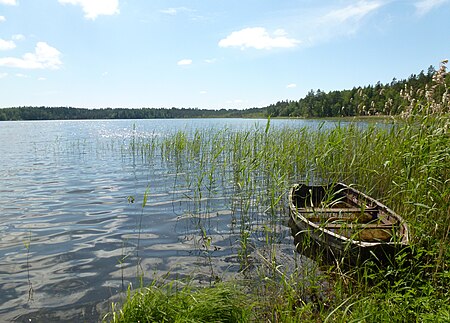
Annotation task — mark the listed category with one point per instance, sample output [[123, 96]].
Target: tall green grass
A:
[[170, 303], [405, 165]]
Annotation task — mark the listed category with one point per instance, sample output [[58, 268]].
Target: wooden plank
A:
[[345, 214], [357, 226], [363, 232], [353, 217], [337, 210]]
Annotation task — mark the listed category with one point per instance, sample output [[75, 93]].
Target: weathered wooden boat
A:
[[339, 223]]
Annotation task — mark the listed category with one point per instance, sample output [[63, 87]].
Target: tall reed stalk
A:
[[405, 164]]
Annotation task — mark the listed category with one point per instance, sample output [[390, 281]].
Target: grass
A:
[[169, 303], [406, 166]]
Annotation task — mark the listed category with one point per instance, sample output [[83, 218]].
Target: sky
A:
[[210, 54]]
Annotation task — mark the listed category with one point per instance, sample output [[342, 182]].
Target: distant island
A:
[[379, 99]]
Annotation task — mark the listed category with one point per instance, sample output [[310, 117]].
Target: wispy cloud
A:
[[2, 19], [10, 2], [2, 75], [175, 11], [44, 57], [191, 14], [308, 29], [291, 86], [184, 62], [425, 6], [258, 38], [92, 9], [18, 37], [7, 44], [336, 22], [353, 12]]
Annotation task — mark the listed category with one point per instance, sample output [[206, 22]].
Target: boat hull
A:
[[378, 237]]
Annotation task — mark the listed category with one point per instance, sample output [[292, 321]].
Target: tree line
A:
[[69, 113], [380, 99]]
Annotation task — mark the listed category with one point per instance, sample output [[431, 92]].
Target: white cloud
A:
[[210, 60], [44, 57], [10, 2], [203, 92], [2, 75], [2, 19], [24, 76], [258, 38], [7, 44], [291, 86], [42, 79], [185, 62], [94, 8], [425, 6]]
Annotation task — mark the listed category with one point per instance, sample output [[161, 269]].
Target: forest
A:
[[70, 113], [379, 99]]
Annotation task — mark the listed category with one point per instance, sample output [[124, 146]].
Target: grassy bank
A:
[[406, 166]]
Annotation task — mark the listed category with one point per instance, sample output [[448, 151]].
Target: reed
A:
[[405, 164], [27, 245]]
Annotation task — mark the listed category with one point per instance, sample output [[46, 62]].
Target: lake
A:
[[74, 232]]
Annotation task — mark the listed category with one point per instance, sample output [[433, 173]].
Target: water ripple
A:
[[74, 231]]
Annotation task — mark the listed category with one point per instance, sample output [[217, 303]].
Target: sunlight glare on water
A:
[[73, 230]]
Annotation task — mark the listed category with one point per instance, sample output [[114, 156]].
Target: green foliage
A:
[[219, 303], [381, 99], [406, 165], [67, 113]]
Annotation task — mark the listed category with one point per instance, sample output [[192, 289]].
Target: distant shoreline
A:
[[68, 113]]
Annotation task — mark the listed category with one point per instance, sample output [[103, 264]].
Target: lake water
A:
[[73, 230]]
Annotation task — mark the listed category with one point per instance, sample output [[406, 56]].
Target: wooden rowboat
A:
[[339, 223]]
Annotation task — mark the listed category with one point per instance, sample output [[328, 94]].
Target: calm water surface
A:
[[71, 237]]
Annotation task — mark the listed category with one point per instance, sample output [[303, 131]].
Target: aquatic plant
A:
[[405, 164], [27, 245]]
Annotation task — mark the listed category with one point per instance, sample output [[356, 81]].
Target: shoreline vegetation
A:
[[407, 167], [373, 100]]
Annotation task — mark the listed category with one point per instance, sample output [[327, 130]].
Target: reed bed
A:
[[406, 165]]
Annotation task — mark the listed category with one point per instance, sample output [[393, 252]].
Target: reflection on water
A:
[[71, 236]]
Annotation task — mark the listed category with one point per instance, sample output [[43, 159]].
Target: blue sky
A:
[[210, 53]]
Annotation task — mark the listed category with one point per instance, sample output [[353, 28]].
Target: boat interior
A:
[[343, 211]]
